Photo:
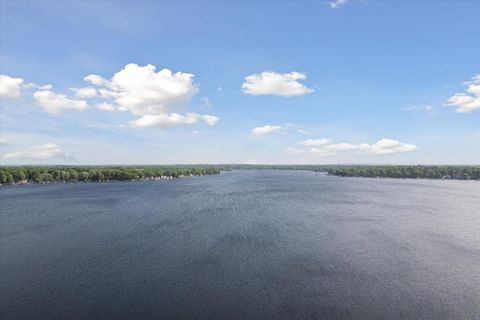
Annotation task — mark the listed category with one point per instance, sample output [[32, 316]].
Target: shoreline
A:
[[163, 178]]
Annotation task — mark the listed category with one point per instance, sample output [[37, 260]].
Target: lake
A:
[[242, 245]]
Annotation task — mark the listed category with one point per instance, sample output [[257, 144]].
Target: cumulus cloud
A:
[[315, 142], [156, 98], [172, 119], [3, 142], [46, 151], [267, 129], [272, 83], [107, 94], [337, 4], [95, 79], [325, 147], [469, 100], [10, 87], [387, 146], [85, 93], [143, 91], [54, 103]]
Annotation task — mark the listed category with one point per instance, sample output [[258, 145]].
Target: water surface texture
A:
[[242, 245]]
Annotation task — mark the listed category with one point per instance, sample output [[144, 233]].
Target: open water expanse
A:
[[242, 245]]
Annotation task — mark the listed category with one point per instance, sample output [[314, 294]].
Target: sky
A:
[[268, 82]]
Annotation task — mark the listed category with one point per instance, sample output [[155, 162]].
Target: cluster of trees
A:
[[37, 174], [423, 172]]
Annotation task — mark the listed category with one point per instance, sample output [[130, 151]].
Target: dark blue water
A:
[[242, 245]]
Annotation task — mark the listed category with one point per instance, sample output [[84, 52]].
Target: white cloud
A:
[[105, 106], [315, 142], [10, 87], [324, 147], [3, 142], [469, 100], [272, 83], [155, 98], [387, 146], [85, 93], [267, 129], [294, 151], [337, 4], [107, 94], [142, 91], [95, 80], [172, 119], [54, 103], [39, 152]]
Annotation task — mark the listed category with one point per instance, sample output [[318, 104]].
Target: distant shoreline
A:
[[60, 174], [18, 175]]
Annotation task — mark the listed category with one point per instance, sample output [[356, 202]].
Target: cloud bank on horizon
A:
[[325, 147], [45, 151]]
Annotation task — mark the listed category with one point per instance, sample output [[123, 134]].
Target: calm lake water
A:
[[242, 245]]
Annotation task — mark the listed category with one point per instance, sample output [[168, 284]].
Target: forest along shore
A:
[[63, 174]]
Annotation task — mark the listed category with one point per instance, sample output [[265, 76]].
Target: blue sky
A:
[[250, 82]]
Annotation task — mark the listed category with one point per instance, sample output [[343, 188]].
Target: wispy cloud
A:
[[205, 103], [428, 109], [337, 4]]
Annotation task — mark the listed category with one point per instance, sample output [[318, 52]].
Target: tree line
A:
[[44, 174], [416, 172], [40, 174]]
